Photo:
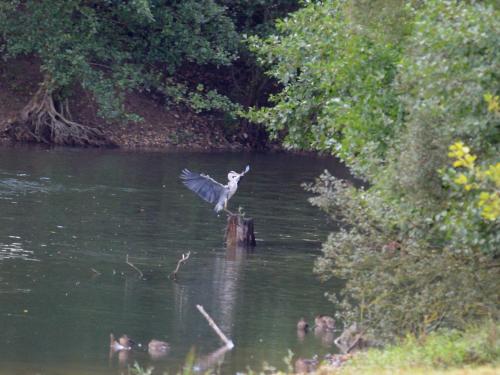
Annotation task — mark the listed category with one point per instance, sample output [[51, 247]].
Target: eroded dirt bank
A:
[[162, 127]]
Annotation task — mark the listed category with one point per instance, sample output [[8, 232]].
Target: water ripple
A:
[[15, 250], [19, 185], [16, 186]]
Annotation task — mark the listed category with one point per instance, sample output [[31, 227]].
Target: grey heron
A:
[[210, 190]]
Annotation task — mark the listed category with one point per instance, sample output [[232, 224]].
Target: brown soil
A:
[[161, 128]]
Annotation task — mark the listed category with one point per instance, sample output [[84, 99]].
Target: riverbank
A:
[[162, 126]]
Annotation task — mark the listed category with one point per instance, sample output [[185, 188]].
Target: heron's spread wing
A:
[[203, 185]]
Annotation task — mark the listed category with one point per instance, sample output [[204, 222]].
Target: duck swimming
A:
[[157, 348], [302, 325], [123, 343], [324, 322]]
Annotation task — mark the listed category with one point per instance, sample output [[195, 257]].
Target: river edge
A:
[[475, 351], [449, 352]]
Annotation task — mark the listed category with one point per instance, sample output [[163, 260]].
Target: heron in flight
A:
[[210, 190]]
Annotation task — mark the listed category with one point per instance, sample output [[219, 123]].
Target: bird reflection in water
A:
[[302, 329], [323, 329]]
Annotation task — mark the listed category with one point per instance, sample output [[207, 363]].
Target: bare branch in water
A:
[[185, 257], [229, 343], [134, 267]]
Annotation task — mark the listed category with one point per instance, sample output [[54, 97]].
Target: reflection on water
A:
[[69, 218], [211, 361]]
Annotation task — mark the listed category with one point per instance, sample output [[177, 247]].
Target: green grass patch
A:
[[442, 350]]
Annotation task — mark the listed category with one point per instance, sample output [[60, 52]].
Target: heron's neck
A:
[[232, 185]]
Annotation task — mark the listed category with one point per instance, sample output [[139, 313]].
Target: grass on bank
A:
[[475, 351]]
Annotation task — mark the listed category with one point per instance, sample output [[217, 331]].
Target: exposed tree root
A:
[[42, 122]]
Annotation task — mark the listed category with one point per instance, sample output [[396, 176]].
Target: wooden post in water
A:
[[239, 232]]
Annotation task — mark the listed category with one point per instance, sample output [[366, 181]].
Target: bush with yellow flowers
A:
[[472, 216]]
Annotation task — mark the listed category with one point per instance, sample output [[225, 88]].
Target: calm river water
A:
[[69, 218]]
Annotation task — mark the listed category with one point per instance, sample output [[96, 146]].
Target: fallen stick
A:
[[134, 267], [229, 343], [181, 261]]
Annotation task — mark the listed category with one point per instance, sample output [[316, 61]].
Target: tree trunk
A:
[[239, 232], [41, 122]]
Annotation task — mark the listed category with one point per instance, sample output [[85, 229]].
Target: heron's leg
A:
[[227, 211]]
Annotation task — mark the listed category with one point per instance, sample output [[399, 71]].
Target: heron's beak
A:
[[247, 168]]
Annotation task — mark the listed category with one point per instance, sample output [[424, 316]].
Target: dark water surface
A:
[[68, 219]]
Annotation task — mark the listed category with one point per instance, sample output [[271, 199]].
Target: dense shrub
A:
[[450, 62], [396, 281]]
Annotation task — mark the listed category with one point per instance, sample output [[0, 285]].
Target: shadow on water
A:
[[69, 218]]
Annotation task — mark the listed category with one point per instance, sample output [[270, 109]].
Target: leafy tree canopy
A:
[[336, 61], [112, 46]]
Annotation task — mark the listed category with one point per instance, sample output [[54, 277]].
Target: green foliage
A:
[[336, 76], [188, 367], [419, 248], [450, 62], [138, 370], [112, 47], [203, 101], [395, 280], [200, 99]]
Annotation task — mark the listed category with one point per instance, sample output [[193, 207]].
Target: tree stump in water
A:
[[239, 232]]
